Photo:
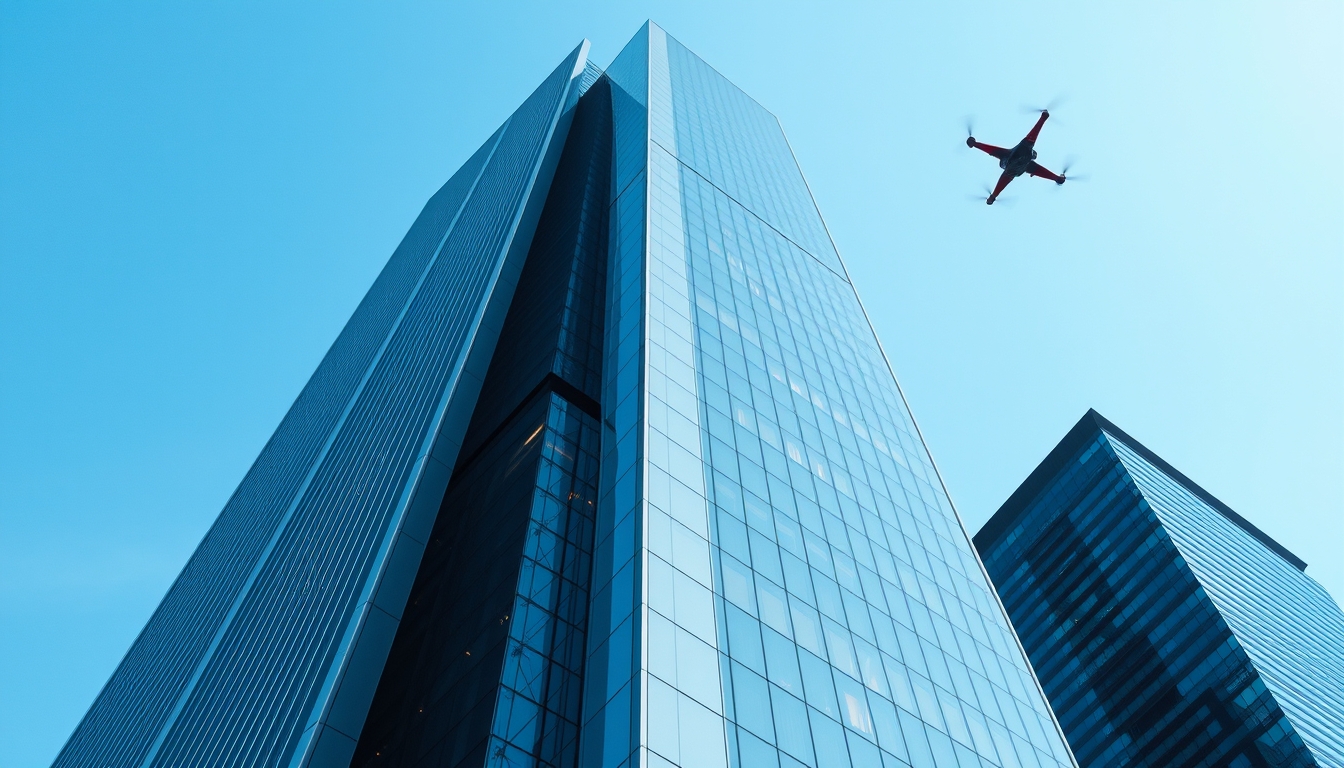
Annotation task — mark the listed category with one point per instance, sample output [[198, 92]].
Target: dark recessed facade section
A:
[[1165, 629], [488, 663]]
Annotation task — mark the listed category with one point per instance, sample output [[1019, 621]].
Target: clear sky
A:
[[193, 200]]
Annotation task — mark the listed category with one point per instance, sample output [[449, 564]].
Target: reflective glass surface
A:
[[779, 578], [1288, 624], [1165, 630], [488, 662], [267, 648], [689, 519]]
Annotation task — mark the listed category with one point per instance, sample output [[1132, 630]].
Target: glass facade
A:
[[1166, 630], [267, 648], [489, 658], [779, 577], [641, 489]]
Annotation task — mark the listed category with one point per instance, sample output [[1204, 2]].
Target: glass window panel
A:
[[755, 753], [841, 651], [951, 709], [861, 751], [856, 613], [929, 708], [690, 554], [701, 735], [870, 667], [694, 605], [916, 740], [698, 670], [744, 639], [765, 557], [819, 684], [798, 577], [738, 584], [773, 606], [828, 597], [944, 756], [791, 724], [751, 697], [887, 727], [662, 718], [853, 705], [662, 640], [782, 662], [832, 751]]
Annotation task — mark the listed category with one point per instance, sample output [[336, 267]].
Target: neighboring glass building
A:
[[608, 469], [1166, 630]]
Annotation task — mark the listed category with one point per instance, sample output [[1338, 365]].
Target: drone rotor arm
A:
[[1041, 172], [1004, 178], [990, 149], [1036, 129]]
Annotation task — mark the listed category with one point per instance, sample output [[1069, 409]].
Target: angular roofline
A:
[[1091, 424]]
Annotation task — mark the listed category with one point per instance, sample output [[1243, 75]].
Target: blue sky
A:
[[193, 200]]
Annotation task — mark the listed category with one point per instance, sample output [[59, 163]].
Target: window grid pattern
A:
[[229, 670], [727, 137], [278, 645], [683, 710], [135, 701], [554, 324], [1288, 624], [827, 558], [796, 587], [612, 683], [820, 486], [503, 552], [1139, 665], [437, 695], [537, 712]]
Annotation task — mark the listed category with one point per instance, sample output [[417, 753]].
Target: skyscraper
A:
[[608, 469], [1165, 628]]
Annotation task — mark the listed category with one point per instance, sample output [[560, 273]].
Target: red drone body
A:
[[1018, 160]]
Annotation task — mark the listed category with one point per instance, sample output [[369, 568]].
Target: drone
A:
[[1018, 160]]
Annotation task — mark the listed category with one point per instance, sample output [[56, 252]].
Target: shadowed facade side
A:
[[1165, 628]]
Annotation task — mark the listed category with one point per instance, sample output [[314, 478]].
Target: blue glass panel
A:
[[1266, 601], [1165, 629], [772, 414], [270, 641]]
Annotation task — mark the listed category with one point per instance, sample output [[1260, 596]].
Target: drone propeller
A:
[[1055, 102], [1069, 163], [989, 191]]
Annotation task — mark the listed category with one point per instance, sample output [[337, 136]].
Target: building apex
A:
[[1088, 427]]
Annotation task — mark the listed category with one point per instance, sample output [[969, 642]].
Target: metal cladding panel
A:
[[230, 667]]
